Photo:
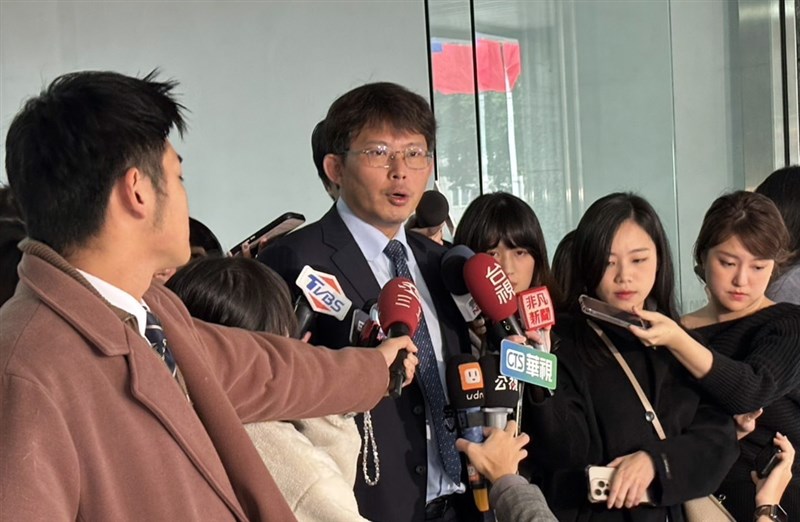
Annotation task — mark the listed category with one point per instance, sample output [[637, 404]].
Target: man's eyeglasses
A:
[[414, 157]]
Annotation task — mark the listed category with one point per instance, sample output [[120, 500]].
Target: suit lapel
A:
[[347, 256], [150, 382]]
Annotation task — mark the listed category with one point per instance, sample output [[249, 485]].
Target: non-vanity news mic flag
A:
[[323, 295], [536, 310], [466, 390], [400, 311]]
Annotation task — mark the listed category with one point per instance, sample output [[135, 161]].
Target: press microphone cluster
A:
[[399, 312], [466, 391]]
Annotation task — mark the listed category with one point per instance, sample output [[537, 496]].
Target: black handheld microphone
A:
[[502, 393], [465, 389], [453, 278]]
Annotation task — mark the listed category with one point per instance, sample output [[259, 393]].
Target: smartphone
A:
[[610, 314], [599, 478], [278, 227], [766, 460]]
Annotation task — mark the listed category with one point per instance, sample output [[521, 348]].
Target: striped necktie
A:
[[429, 374], [155, 334]]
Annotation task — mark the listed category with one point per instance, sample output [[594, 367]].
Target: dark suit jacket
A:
[[399, 425]]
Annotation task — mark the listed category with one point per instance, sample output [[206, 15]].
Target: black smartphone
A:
[[610, 314], [278, 227], [766, 460]]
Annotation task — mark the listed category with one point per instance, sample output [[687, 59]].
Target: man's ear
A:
[[333, 166], [132, 193]]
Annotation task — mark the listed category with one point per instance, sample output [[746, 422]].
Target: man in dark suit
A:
[[380, 139]]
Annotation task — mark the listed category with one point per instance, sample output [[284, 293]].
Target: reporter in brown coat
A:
[[96, 424]]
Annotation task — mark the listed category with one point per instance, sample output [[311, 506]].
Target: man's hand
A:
[[389, 349], [634, 474], [499, 454], [769, 490]]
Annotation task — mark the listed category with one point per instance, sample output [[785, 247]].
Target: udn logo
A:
[[471, 376], [476, 395]]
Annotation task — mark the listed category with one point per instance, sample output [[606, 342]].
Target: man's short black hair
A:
[[319, 149], [376, 104], [67, 147]]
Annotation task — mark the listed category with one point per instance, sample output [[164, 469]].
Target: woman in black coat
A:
[[595, 418]]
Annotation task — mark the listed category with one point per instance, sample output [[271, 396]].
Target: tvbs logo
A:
[[323, 293], [471, 380]]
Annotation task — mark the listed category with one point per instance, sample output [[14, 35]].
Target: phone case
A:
[[599, 478], [605, 312], [766, 460], [282, 225]]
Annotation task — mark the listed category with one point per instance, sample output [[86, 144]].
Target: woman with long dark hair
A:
[[621, 256]]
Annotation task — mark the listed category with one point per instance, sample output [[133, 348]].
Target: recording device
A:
[[365, 329], [493, 292], [278, 227], [766, 460], [399, 311], [453, 278], [610, 314], [465, 389], [502, 393], [599, 479], [321, 293]]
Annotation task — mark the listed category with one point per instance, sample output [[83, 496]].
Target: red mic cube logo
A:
[[536, 308]]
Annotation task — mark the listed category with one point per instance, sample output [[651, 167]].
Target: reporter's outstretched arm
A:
[[497, 458]]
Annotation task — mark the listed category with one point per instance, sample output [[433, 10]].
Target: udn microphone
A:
[[400, 311], [453, 278], [502, 393], [493, 292], [465, 389], [321, 293]]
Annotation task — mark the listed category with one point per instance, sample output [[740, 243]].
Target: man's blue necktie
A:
[[429, 374], [155, 334]]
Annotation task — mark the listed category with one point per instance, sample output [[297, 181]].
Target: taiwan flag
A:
[[451, 61]]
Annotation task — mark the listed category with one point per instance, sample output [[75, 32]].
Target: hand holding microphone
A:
[[466, 392], [500, 453], [400, 311], [391, 350]]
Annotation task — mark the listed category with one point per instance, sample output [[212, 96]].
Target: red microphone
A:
[[493, 292], [536, 309], [399, 311]]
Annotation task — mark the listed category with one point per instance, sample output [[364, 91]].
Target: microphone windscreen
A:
[[501, 391], [490, 287], [432, 209], [399, 304], [453, 269], [464, 382]]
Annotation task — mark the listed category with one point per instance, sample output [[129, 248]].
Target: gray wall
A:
[[256, 75]]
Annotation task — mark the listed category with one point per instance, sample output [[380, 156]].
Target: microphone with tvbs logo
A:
[[321, 293]]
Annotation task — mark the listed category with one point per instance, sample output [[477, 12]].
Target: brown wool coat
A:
[[93, 427]]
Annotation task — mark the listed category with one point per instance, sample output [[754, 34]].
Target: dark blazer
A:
[[596, 416], [399, 425]]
